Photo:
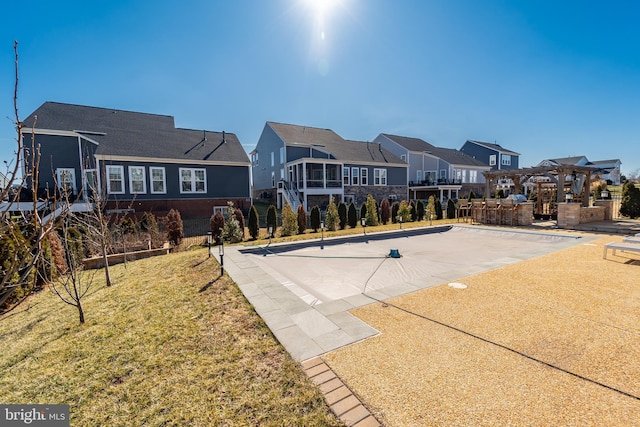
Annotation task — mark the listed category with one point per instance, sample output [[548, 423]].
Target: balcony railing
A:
[[318, 183]]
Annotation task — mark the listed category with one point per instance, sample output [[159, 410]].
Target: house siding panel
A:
[[268, 143], [64, 149]]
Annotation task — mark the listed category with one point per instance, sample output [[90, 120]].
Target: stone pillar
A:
[[525, 213], [568, 215], [608, 208]]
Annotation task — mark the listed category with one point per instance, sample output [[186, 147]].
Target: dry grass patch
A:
[[157, 349], [570, 309]]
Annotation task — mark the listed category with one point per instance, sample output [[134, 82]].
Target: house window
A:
[[90, 184], [473, 176], [443, 174], [273, 179], [137, 183], [403, 157], [66, 179], [193, 180], [273, 162], [492, 160], [506, 160], [379, 177], [254, 159], [364, 176], [115, 179], [282, 174], [158, 180], [345, 176], [419, 176], [281, 155], [354, 176]]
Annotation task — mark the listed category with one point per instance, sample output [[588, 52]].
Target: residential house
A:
[[307, 165], [139, 162], [493, 155], [442, 172], [608, 170]]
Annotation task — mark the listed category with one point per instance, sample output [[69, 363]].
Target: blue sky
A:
[[543, 78]]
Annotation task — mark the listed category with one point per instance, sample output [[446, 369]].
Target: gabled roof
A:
[[411, 144], [605, 162], [134, 134], [457, 158], [495, 147], [567, 160], [329, 141]]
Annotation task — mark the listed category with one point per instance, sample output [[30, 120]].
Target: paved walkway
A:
[[339, 397]]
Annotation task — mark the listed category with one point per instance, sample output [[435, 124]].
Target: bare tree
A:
[[23, 234], [73, 286]]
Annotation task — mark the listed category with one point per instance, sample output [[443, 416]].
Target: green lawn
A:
[[170, 343]]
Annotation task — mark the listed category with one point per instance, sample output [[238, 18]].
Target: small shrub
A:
[[420, 210], [404, 211], [363, 210], [254, 223], [272, 219], [342, 213], [331, 218], [175, 229], [414, 212], [431, 208], [451, 209], [237, 213], [289, 222], [315, 218], [231, 231], [630, 204], [438, 207], [127, 226], [372, 213], [302, 219], [385, 211], [352, 216], [217, 225], [394, 212]]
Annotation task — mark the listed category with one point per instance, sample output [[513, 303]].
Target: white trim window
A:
[[419, 176], [115, 179], [492, 160], [137, 180], [273, 179], [193, 180], [90, 184], [66, 178], [355, 176], [282, 174], [364, 176], [473, 176], [158, 180], [506, 160], [346, 177], [282, 155], [273, 161], [379, 177]]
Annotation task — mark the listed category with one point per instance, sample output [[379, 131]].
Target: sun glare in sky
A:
[[321, 11]]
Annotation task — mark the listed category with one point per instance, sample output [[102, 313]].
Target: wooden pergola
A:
[[556, 173]]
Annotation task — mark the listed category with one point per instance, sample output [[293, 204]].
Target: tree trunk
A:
[[105, 259], [80, 312]]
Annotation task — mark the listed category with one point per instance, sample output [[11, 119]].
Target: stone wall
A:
[[592, 213], [525, 213], [572, 214], [611, 208], [378, 193]]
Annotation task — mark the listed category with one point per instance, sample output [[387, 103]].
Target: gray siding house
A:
[[443, 172], [491, 154], [609, 170], [307, 165], [140, 162]]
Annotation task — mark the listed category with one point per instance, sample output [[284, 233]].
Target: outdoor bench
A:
[[622, 246]]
